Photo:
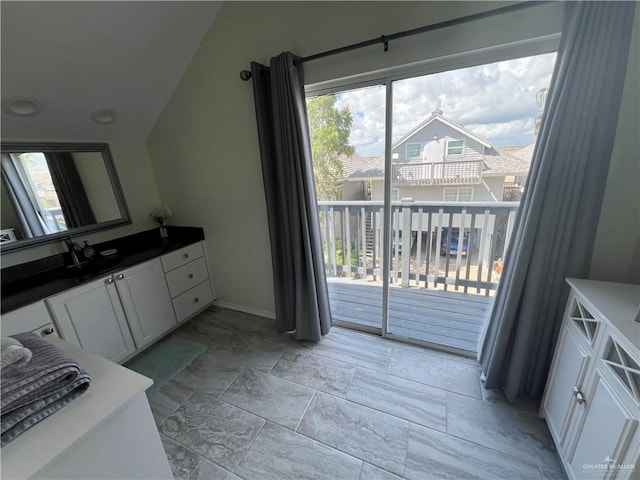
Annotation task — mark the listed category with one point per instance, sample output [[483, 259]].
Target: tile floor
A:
[[258, 405]]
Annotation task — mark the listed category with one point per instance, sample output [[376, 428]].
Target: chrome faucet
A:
[[73, 248]]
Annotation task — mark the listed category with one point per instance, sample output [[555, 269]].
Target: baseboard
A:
[[242, 308]]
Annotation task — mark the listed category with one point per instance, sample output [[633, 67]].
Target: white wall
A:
[[204, 148], [139, 185], [616, 255], [97, 185]]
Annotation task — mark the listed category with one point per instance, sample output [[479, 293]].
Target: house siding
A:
[[436, 193], [433, 139]]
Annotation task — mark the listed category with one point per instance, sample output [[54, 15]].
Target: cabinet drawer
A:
[[180, 257], [187, 276], [193, 300]]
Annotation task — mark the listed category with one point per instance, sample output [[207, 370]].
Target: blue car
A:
[[450, 242]]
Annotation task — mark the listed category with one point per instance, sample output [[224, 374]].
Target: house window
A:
[[464, 194], [395, 194], [455, 147], [413, 150]]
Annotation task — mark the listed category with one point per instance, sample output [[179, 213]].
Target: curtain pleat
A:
[[555, 227], [301, 296]]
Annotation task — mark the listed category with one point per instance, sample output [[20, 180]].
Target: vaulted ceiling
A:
[[76, 58]]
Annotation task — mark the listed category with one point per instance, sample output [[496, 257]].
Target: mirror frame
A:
[[103, 148]]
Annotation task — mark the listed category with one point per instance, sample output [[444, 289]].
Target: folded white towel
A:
[[12, 352]]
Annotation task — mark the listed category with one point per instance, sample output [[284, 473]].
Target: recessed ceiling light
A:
[[21, 106], [104, 116]]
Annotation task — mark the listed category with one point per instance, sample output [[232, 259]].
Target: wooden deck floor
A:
[[453, 320]]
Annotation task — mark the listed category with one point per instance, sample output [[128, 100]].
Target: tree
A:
[[329, 128]]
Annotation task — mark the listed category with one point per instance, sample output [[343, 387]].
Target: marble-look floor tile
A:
[[242, 322], [321, 373], [207, 470], [363, 350], [182, 460], [439, 456], [436, 370], [547, 474], [208, 374], [406, 399], [278, 453], [176, 391], [370, 435], [506, 429], [216, 430], [270, 397], [369, 472], [162, 406]]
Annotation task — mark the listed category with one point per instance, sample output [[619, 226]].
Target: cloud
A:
[[496, 101]]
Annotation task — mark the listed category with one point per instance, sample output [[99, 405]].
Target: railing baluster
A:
[[511, 220], [332, 243], [481, 252], [461, 230], [347, 239], [428, 250], [396, 243], [470, 249], [418, 247], [436, 271], [492, 254], [363, 238], [406, 245], [447, 252]]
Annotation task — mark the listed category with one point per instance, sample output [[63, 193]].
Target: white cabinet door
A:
[[146, 301], [605, 433], [34, 317], [568, 370], [91, 317]]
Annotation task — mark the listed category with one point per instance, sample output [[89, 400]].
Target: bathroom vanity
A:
[[118, 307]]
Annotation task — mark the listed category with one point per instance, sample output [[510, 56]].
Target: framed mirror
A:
[[52, 190]]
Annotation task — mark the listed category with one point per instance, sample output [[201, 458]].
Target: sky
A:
[[496, 101]]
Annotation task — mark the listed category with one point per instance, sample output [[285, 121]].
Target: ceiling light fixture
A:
[[21, 106], [104, 116]]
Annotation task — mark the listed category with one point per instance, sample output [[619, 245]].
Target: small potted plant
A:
[[160, 215]]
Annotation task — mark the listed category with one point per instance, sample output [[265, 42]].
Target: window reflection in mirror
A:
[[50, 191]]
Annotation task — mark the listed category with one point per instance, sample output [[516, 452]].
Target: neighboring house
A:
[[440, 160]]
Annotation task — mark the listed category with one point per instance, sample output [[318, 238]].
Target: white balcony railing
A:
[[467, 172], [422, 236]]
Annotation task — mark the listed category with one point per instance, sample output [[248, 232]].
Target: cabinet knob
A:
[[109, 281], [580, 398], [185, 255], [48, 331], [190, 276], [119, 276], [196, 300]]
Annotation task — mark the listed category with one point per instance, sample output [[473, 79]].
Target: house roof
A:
[[506, 161], [436, 115], [353, 163]]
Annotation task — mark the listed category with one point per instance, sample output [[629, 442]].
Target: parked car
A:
[[450, 242]]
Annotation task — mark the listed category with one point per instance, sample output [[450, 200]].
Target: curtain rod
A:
[[385, 39]]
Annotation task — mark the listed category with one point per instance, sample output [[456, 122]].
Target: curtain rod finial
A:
[[245, 75]]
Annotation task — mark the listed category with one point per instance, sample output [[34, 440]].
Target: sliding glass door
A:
[[419, 179]]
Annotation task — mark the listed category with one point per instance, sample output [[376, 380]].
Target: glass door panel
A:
[[462, 141], [347, 139]]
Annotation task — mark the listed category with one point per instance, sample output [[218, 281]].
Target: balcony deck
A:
[[447, 318]]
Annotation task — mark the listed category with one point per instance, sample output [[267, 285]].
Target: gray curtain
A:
[[555, 227], [28, 215], [70, 190], [301, 296]]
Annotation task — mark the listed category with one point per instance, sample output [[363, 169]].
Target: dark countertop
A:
[[27, 283]]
